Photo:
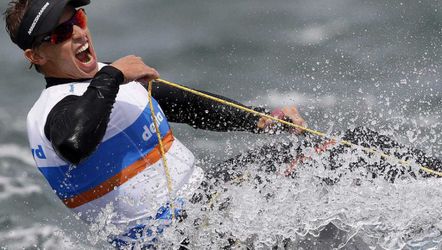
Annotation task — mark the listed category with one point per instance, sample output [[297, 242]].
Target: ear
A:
[[35, 57]]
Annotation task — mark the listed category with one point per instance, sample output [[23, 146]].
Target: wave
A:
[[305, 212], [17, 186], [16, 152], [37, 236]]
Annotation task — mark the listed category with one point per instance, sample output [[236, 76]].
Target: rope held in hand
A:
[[290, 124], [245, 109], [162, 151]]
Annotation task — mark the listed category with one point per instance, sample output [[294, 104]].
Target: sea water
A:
[[344, 63]]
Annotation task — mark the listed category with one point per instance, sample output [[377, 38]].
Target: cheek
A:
[[64, 54], [57, 53]]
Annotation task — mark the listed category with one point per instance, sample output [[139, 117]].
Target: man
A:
[[91, 130]]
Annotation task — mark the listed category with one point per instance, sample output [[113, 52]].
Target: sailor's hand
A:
[[289, 114], [134, 69]]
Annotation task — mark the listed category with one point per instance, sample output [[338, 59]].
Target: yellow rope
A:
[[320, 134], [163, 154]]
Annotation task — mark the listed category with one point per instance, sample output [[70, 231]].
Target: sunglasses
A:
[[64, 30]]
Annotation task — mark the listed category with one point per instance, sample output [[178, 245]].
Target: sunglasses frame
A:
[[65, 30]]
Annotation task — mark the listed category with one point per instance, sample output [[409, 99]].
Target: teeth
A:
[[83, 48]]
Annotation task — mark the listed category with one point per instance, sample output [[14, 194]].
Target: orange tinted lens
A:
[[80, 19], [64, 31]]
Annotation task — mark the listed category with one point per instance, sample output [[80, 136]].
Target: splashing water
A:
[[342, 62], [304, 212]]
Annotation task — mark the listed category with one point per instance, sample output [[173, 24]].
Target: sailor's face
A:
[[73, 58]]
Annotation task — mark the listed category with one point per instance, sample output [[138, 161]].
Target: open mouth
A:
[[83, 54]]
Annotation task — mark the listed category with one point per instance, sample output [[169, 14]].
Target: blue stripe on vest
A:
[[110, 158]]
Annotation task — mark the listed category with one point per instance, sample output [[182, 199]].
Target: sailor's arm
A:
[[76, 125], [199, 112], [288, 113]]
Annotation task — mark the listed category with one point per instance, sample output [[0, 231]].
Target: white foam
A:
[[17, 152], [20, 186], [318, 33], [376, 212], [277, 99], [37, 236]]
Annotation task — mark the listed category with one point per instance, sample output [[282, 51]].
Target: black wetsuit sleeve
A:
[[202, 113], [76, 125]]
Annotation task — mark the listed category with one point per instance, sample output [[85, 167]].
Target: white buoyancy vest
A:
[[126, 171]]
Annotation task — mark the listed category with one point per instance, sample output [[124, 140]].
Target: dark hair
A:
[[13, 16]]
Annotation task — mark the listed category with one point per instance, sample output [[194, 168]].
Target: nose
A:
[[78, 34]]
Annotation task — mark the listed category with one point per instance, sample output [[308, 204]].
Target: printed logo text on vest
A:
[[38, 152], [150, 130]]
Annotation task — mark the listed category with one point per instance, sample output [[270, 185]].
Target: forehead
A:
[[67, 13]]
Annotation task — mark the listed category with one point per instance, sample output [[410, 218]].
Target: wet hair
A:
[[13, 16]]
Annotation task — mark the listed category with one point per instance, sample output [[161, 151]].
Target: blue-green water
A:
[[343, 62]]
